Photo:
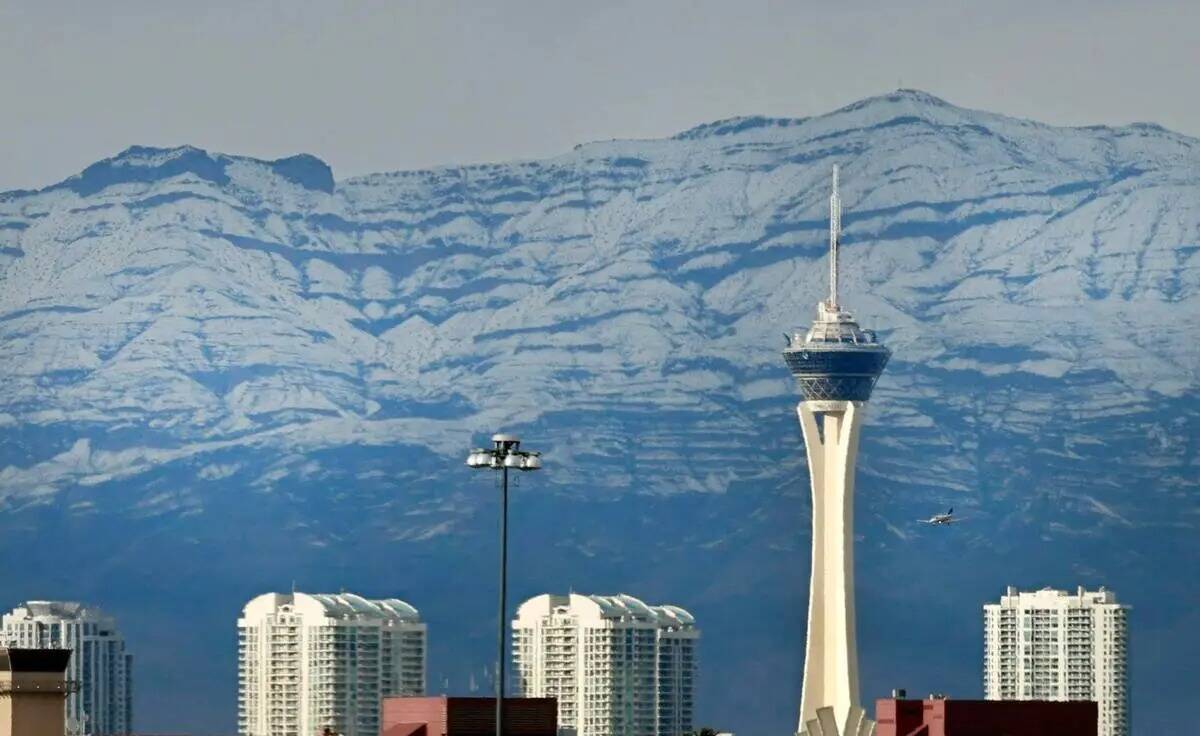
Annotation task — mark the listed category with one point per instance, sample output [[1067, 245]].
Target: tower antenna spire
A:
[[835, 232]]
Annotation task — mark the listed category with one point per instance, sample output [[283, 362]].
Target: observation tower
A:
[[836, 364]]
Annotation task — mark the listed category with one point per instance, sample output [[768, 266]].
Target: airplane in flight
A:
[[942, 519]]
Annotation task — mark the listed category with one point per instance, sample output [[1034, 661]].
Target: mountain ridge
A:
[[715, 128]]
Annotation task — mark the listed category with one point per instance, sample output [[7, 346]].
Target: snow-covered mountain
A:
[[222, 374]]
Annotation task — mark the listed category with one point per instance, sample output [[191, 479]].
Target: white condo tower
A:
[[836, 364], [310, 661], [102, 704], [1054, 645], [616, 666]]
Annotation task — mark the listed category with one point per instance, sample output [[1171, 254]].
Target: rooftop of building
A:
[[834, 327], [13, 659], [620, 606], [1055, 598], [333, 605], [57, 612]]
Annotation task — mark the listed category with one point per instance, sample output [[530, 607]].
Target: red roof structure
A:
[[948, 717], [450, 716]]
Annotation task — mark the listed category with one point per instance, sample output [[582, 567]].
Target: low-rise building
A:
[[938, 716], [450, 716], [33, 690]]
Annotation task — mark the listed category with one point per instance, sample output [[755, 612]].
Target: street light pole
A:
[[506, 453], [500, 637]]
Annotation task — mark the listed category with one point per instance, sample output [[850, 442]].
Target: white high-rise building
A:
[[310, 661], [1055, 645], [617, 666], [100, 668]]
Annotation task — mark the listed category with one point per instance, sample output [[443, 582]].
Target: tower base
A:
[[825, 724]]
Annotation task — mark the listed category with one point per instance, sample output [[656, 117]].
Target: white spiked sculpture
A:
[[836, 364]]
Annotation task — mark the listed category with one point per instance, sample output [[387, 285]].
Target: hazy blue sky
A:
[[380, 86]]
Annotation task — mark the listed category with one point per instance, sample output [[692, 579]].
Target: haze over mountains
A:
[[223, 374]]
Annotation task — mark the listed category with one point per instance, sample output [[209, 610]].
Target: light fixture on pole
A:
[[505, 454]]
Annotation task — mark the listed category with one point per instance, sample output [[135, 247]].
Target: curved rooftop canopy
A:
[[621, 607], [338, 605], [55, 611], [674, 614]]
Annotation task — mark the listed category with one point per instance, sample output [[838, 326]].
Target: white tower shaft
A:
[[835, 232], [829, 702]]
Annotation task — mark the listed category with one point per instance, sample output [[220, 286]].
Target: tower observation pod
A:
[[836, 364]]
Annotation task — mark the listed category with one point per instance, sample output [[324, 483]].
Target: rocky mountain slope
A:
[[223, 374]]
